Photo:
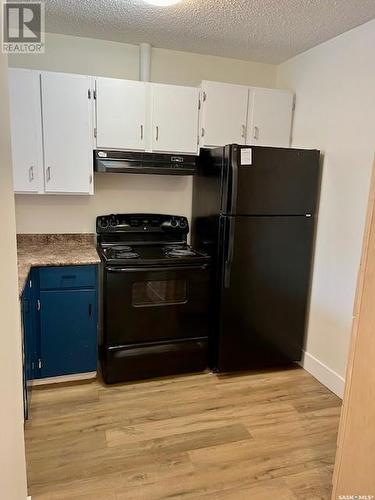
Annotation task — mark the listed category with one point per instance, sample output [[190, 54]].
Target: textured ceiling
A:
[[259, 30]]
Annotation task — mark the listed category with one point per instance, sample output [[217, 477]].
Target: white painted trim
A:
[[332, 380], [28, 498], [64, 378]]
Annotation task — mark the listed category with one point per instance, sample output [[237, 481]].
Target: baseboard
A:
[[64, 378], [332, 380]]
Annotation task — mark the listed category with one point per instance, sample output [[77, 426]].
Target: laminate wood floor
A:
[[269, 435]]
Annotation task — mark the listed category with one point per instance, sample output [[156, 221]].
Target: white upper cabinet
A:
[[174, 118], [52, 123], [270, 117], [26, 130], [146, 116], [67, 133], [120, 114], [223, 114]]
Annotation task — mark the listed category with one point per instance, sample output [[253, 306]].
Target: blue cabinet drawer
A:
[[64, 277]]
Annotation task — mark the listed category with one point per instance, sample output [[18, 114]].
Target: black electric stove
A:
[[155, 297]]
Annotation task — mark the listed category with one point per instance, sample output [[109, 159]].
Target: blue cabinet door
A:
[[28, 333], [68, 326], [30, 336], [26, 349]]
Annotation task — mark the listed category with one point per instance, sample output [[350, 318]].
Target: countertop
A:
[[35, 250]]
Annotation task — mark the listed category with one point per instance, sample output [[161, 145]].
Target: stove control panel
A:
[[140, 223]]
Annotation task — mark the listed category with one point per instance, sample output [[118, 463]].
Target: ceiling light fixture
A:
[[162, 3]]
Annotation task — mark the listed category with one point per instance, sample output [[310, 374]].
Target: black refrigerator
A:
[[254, 212]]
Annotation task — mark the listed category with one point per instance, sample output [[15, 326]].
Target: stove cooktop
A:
[[150, 254]]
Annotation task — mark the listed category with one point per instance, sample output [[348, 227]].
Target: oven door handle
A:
[[156, 269]]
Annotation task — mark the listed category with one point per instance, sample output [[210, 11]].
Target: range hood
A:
[[132, 162]]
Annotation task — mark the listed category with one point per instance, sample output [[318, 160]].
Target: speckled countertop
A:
[[36, 250]]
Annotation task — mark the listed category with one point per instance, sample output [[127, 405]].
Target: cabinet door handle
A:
[[243, 135], [90, 309], [31, 173], [141, 132], [256, 133], [157, 132], [48, 173]]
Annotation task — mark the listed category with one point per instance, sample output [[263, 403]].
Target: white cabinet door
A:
[[224, 111], [67, 131], [26, 130], [270, 117], [174, 118], [120, 114]]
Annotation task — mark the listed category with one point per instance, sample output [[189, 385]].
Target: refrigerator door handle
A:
[[229, 257], [234, 184]]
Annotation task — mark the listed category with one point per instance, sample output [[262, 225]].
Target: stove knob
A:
[[103, 223], [183, 223], [114, 222], [173, 223]]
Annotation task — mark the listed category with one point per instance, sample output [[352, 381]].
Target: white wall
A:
[[12, 453], [82, 55], [123, 193], [114, 193], [185, 68], [120, 60], [335, 112]]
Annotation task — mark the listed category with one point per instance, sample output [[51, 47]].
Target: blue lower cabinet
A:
[[30, 336], [59, 317], [59, 323], [67, 332], [68, 320]]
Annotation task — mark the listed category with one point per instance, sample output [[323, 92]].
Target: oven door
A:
[[155, 304]]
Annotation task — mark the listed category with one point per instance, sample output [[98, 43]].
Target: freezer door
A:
[[265, 282], [271, 181]]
